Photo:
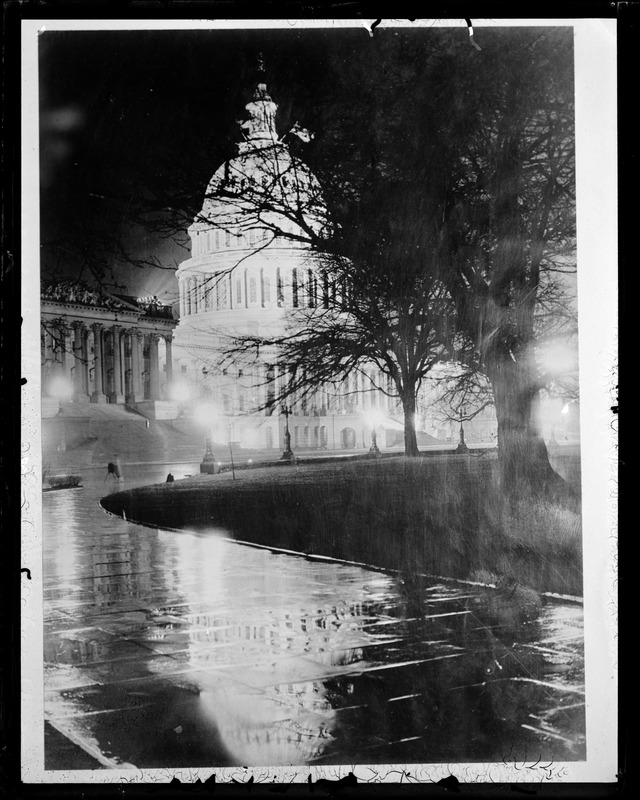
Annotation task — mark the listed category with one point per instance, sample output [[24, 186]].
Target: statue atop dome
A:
[[260, 128]]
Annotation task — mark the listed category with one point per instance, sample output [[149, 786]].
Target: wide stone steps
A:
[[87, 436]]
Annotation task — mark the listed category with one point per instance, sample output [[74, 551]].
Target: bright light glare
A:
[[375, 418], [558, 358], [61, 388], [180, 392], [204, 414]]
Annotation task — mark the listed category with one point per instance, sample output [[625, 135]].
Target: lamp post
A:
[[462, 447], [374, 419], [287, 454], [204, 414], [233, 468], [208, 464]]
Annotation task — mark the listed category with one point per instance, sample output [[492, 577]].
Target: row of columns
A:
[[296, 287], [261, 383], [128, 361]]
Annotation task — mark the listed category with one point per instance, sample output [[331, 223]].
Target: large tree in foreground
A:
[[369, 300], [449, 179], [455, 169], [426, 145], [483, 145], [508, 237], [371, 306]]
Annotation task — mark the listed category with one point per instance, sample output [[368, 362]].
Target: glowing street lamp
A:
[[61, 388], [374, 419], [180, 392], [204, 414], [287, 454], [462, 447]]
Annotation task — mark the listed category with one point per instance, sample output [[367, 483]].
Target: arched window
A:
[[253, 290], [238, 290], [266, 289], [294, 286]]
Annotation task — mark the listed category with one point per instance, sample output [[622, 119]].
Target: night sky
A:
[[121, 110], [129, 116]]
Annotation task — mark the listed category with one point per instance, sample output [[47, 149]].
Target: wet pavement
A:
[[185, 649]]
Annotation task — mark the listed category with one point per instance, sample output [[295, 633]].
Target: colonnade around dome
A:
[[264, 286]]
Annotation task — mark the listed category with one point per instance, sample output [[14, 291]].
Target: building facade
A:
[[102, 348], [251, 274], [250, 271]]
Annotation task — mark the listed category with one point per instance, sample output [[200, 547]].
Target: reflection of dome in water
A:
[[285, 724]]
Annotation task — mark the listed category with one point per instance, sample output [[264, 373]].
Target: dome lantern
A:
[[260, 129]]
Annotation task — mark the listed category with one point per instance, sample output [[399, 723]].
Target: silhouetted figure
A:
[[170, 478], [112, 470]]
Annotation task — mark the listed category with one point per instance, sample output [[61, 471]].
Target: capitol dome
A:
[[264, 189], [256, 271], [251, 242], [262, 197]]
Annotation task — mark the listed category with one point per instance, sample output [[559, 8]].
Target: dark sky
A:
[[127, 114], [120, 110]]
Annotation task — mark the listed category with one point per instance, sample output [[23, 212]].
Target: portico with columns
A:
[[101, 348]]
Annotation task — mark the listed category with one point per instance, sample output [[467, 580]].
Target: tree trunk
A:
[[523, 460], [408, 398]]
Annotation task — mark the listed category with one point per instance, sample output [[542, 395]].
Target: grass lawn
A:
[[439, 515]]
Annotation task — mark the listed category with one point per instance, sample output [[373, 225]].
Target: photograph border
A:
[[596, 156]]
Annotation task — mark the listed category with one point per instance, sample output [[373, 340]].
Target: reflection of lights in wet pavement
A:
[[262, 658]]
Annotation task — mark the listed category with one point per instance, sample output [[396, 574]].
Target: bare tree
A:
[[446, 208], [362, 304], [509, 229]]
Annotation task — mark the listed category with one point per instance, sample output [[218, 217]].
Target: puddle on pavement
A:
[[172, 649]]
